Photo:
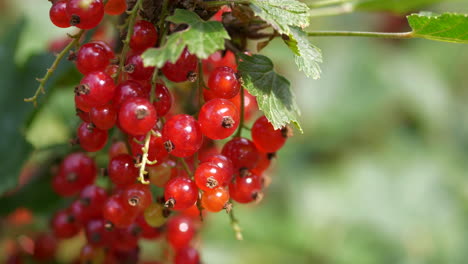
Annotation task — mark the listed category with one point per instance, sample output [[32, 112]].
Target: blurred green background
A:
[[380, 174]]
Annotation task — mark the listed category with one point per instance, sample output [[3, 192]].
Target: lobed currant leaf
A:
[[449, 27], [306, 55]]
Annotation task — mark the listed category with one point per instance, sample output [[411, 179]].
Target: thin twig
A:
[[241, 122], [235, 225], [403, 35]]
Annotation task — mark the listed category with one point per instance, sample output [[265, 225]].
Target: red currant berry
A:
[[208, 176], [75, 172], [58, 14], [117, 148], [136, 69], [138, 195], [85, 14], [89, 253], [144, 36], [215, 200], [117, 211], [242, 152], [156, 150], [79, 212], [95, 89], [45, 246], [64, 225], [180, 231], [180, 193], [93, 56], [182, 135], [127, 89], [218, 118], [224, 163], [99, 232], [126, 239], [91, 138], [93, 198], [181, 69], [163, 101], [147, 231], [115, 7], [84, 116], [122, 170], [160, 174], [137, 116], [223, 82], [263, 163], [187, 255], [103, 117], [246, 189], [266, 138]]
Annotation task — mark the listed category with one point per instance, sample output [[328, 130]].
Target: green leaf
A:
[[202, 38], [273, 91], [281, 14], [306, 55], [447, 27], [397, 6]]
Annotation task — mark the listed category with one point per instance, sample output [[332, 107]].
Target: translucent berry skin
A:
[[224, 163], [125, 90], [184, 134], [156, 148], [58, 14], [182, 191], [180, 231], [97, 234], [93, 56], [95, 89], [187, 255], [122, 170], [245, 189], [154, 215], [223, 82], [103, 117], [242, 152], [91, 138], [85, 14], [208, 176], [144, 36], [117, 148], [161, 173], [265, 137], [219, 118], [138, 195], [84, 116], [93, 198], [179, 71], [137, 116], [117, 211], [115, 7], [139, 72], [75, 172], [215, 200], [64, 225], [163, 101], [45, 246], [263, 163]]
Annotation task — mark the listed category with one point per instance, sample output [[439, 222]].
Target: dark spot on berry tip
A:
[[228, 122], [169, 146], [75, 20]]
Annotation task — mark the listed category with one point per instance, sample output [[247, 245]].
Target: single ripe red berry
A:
[[181, 69], [58, 14], [117, 148], [144, 36], [215, 200], [122, 170], [265, 137], [180, 231], [93, 198], [99, 232], [84, 116], [246, 189], [45, 246], [218, 118], [217, 60], [162, 172], [115, 7], [180, 193], [117, 211], [136, 69], [242, 152], [163, 101], [223, 82], [91, 138], [209, 176], [182, 135], [64, 225], [93, 56], [85, 14], [224, 163], [138, 195], [187, 255], [75, 172], [250, 104], [156, 151], [127, 89], [126, 241], [103, 117], [263, 163], [137, 116], [95, 89]]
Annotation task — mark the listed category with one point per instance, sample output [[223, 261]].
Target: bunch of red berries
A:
[[161, 148]]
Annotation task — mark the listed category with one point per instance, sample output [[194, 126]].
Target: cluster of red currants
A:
[[160, 147]]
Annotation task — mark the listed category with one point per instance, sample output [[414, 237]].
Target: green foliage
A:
[[306, 55], [273, 92], [201, 37], [447, 27], [397, 6]]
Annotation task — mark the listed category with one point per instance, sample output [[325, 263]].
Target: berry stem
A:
[[241, 122], [186, 167], [235, 224], [402, 35], [201, 83], [323, 3], [144, 160], [42, 81]]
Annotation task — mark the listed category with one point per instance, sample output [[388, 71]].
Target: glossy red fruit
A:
[[58, 14], [218, 60], [144, 36], [223, 82], [64, 225], [115, 7], [182, 135], [79, 212], [85, 14], [242, 152], [137, 116], [224, 163], [126, 239], [45, 246], [103, 117], [127, 89], [117, 148], [91, 138], [84, 116], [93, 56], [250, 104], [180, 231], [95, 89], [118, 212], [265, 137], [187, 255], [163, 101], [215, 200], [156, 151], [180, 193], [245, 189], [122, 170], [180, 70], [93, 198], [147, 231], [137, 70], [219, 118], [75, 172], [263, 163], [99, 232], [138, 195], [161, 173], [209, 176]]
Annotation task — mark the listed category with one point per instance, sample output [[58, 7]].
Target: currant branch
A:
[[403, 35], [234, 222], [242, 110], [42, 81]]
